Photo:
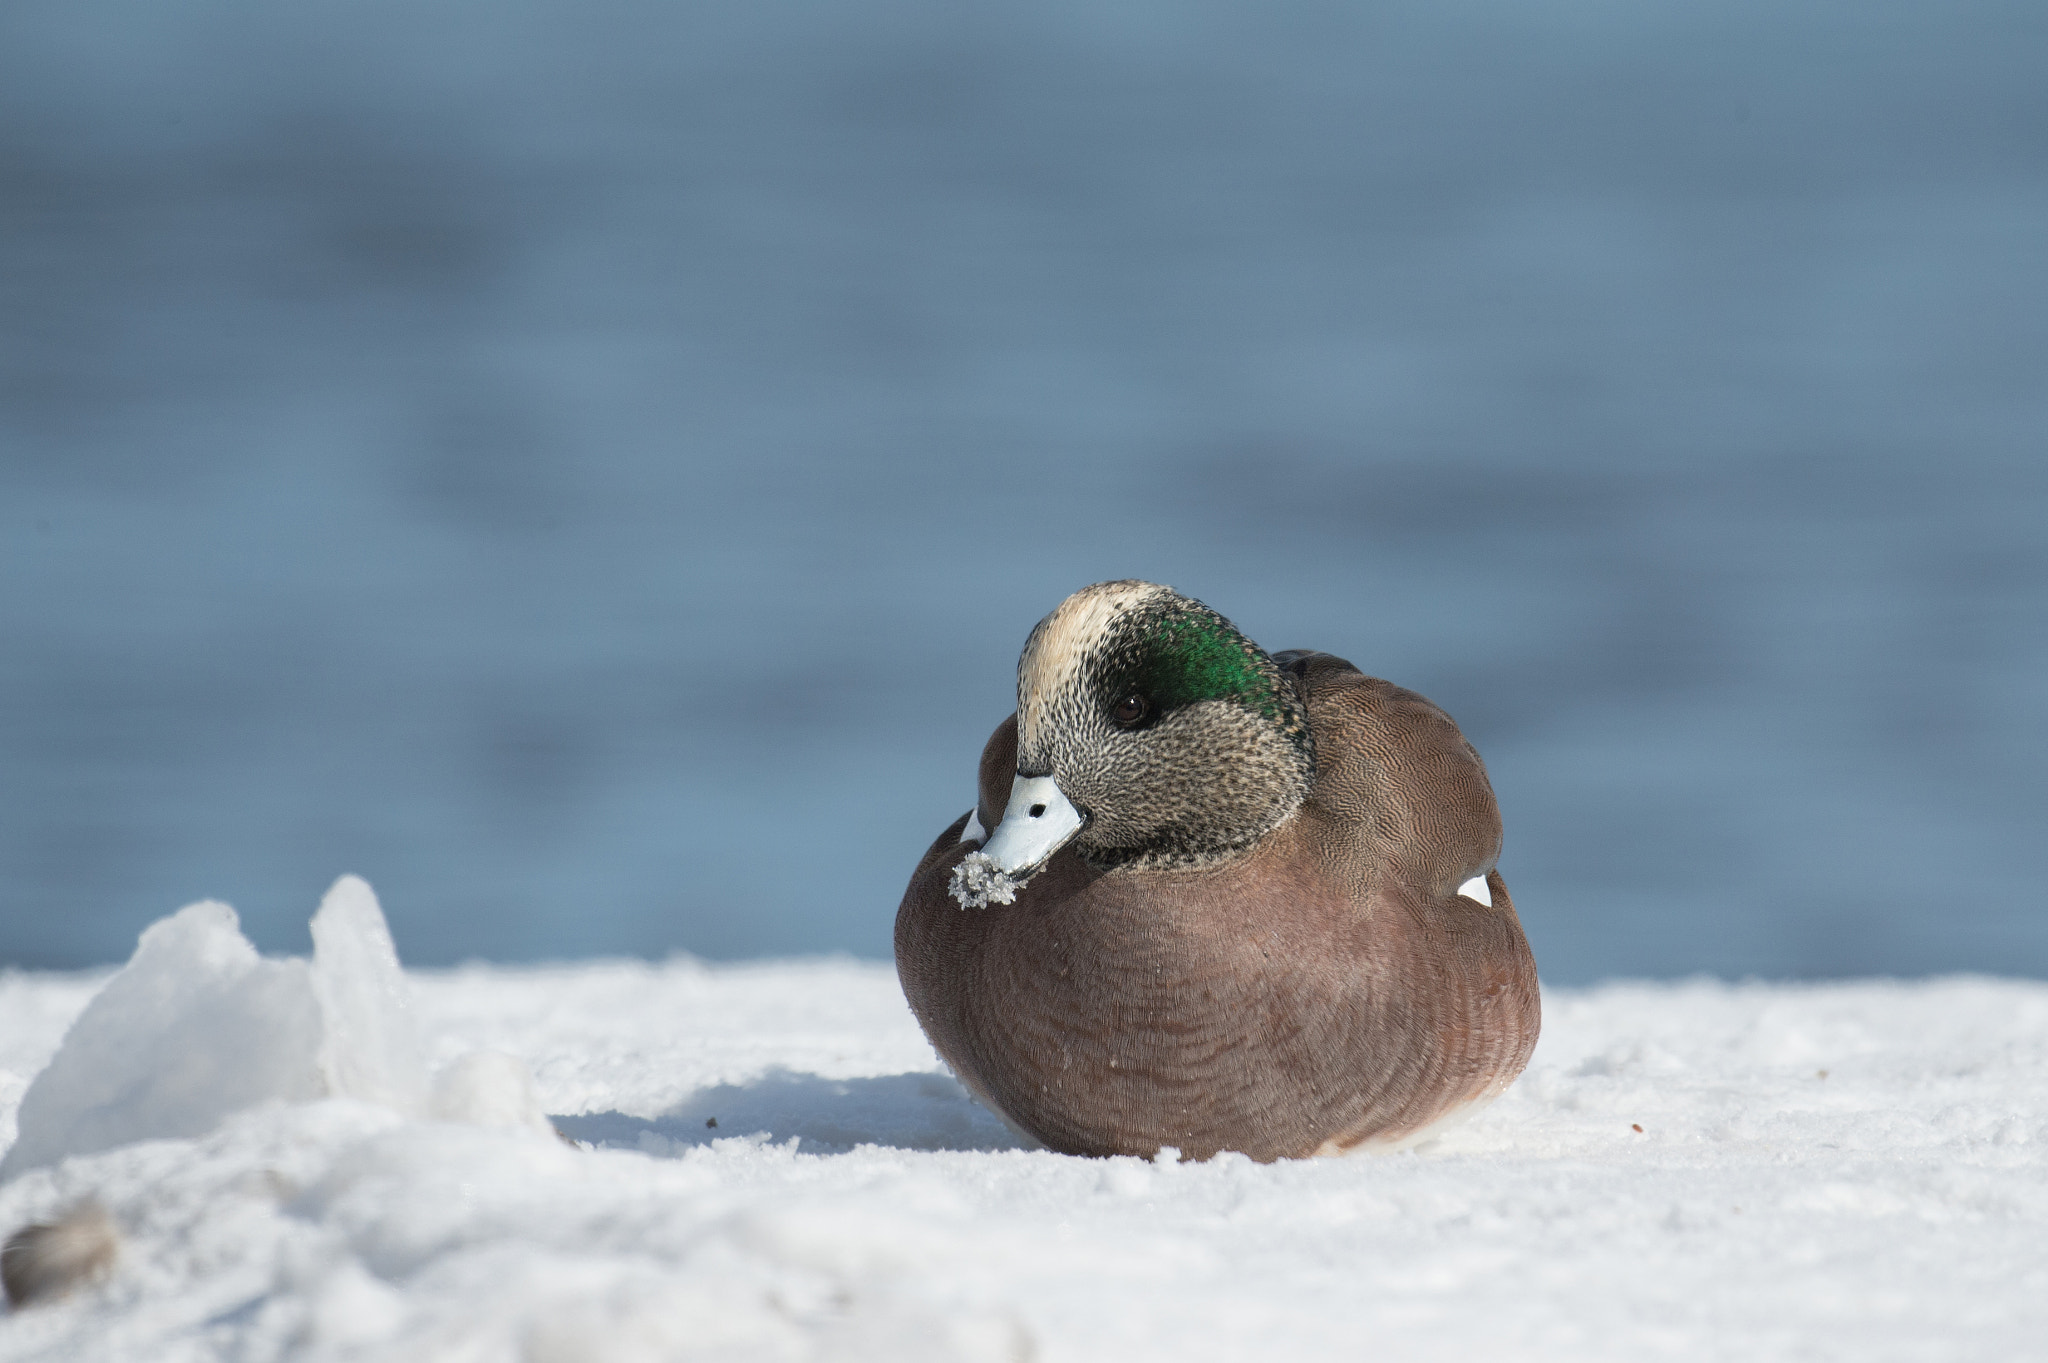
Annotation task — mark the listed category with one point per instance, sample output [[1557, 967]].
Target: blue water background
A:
[[589, 467]]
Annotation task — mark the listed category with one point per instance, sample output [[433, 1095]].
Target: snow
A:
[[198, 1026], [195, 1028], [370, 1044], [1695, 1170]]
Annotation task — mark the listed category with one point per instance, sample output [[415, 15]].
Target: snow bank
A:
[[198, 1027], [1695, 1170]]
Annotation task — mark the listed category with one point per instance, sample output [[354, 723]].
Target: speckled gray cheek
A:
[[1207, 779], [1211, 780]]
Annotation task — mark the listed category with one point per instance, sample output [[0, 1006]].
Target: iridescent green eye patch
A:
[[1187, 653]]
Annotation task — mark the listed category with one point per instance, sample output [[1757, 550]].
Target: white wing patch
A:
[[1475, 888], [974, 832]]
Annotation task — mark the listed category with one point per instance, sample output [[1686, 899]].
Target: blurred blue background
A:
[[589, 467]]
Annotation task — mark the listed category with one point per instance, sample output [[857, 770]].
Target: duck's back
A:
[[1327, 988]]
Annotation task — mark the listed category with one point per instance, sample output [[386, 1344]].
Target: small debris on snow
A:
[[46, 1260]]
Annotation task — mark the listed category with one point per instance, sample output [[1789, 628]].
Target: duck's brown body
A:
[[1328, 988]]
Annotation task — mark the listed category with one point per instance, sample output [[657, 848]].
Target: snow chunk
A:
[[195, 1027], [489, 1088], [198, 1026], [371, 1050]]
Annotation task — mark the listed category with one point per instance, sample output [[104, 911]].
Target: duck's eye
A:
[[1130, 710]]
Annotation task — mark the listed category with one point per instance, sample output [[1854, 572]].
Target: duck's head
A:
[[1149, 730]]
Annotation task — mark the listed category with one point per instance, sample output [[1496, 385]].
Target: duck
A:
[[1214, 899]]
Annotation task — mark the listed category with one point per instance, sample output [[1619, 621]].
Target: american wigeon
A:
[[1231, 901]]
